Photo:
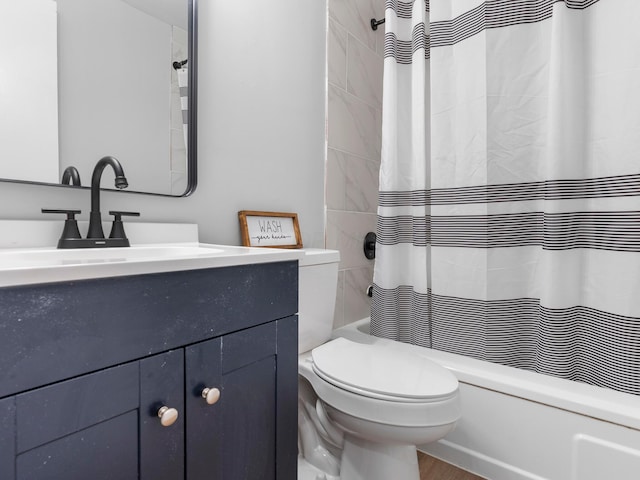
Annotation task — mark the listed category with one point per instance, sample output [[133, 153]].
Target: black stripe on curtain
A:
[[497, 14], [603, 187], [403, 50], [487, 15], [614, 231], [401, 9], [576, 343], [399, 314]]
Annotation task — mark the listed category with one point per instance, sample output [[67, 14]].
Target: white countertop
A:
[[24, 265]]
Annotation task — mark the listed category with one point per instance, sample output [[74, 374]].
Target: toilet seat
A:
[[382, 373]]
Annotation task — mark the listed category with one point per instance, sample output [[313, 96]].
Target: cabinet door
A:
[[287, 394], [81, 428], [234, 438], [203, 370], [7, 437], [248, 427], [161, 447]]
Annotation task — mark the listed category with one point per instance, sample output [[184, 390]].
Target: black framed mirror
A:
[[82, 80]]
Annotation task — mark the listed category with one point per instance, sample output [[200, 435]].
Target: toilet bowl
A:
[[363, 408]]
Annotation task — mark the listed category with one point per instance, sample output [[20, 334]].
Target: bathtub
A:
[[520, 425]]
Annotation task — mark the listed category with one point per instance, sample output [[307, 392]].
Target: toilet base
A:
[[306, 471], [366, 460]]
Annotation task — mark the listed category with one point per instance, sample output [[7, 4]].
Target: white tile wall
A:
[[354, 126], [355, 62], [356, 15], [356, 281], [364, 72], [336, 181], [346, 232], [337, 55], [361, 187]]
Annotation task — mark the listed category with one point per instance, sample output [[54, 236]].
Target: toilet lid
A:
[[382, 371]]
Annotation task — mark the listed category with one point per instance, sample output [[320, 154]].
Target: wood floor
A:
[[434, 469]]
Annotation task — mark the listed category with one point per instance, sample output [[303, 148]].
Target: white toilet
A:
[[362, 408]]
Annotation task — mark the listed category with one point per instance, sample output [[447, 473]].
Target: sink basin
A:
[[25, 266]]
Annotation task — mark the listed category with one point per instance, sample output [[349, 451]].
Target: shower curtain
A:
[[509, 205]]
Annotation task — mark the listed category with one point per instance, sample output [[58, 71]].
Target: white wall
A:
[[261, 126]]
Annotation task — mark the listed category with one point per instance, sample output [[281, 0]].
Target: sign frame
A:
[[269, 229]]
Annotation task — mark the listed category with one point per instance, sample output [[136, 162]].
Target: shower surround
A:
[[353, 157]]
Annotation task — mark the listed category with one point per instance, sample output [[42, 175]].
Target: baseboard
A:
[[476, 462]]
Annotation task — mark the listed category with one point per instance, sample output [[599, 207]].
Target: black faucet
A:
[[95, 217], [70, 176], [71, 237]]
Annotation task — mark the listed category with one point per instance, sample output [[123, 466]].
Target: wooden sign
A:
[[269, 229]]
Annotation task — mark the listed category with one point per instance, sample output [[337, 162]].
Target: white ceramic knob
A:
[[168, 416], [211, 395]]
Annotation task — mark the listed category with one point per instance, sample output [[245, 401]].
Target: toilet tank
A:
[[318, 280]]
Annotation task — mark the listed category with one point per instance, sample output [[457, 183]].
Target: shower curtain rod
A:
[[179, 65], [375, 23]]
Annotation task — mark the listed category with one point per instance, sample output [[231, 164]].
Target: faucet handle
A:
[[117, 229], [70, 213], [70, 230], [118, 213]]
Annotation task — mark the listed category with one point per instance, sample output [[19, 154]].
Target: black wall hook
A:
[[375, 23]]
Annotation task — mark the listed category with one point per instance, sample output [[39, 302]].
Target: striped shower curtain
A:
[[509, 206]]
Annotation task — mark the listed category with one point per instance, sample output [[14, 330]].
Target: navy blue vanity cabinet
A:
[[84, 376]]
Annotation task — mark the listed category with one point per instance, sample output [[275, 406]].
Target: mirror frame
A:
[[192, 155], [192, 148]]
